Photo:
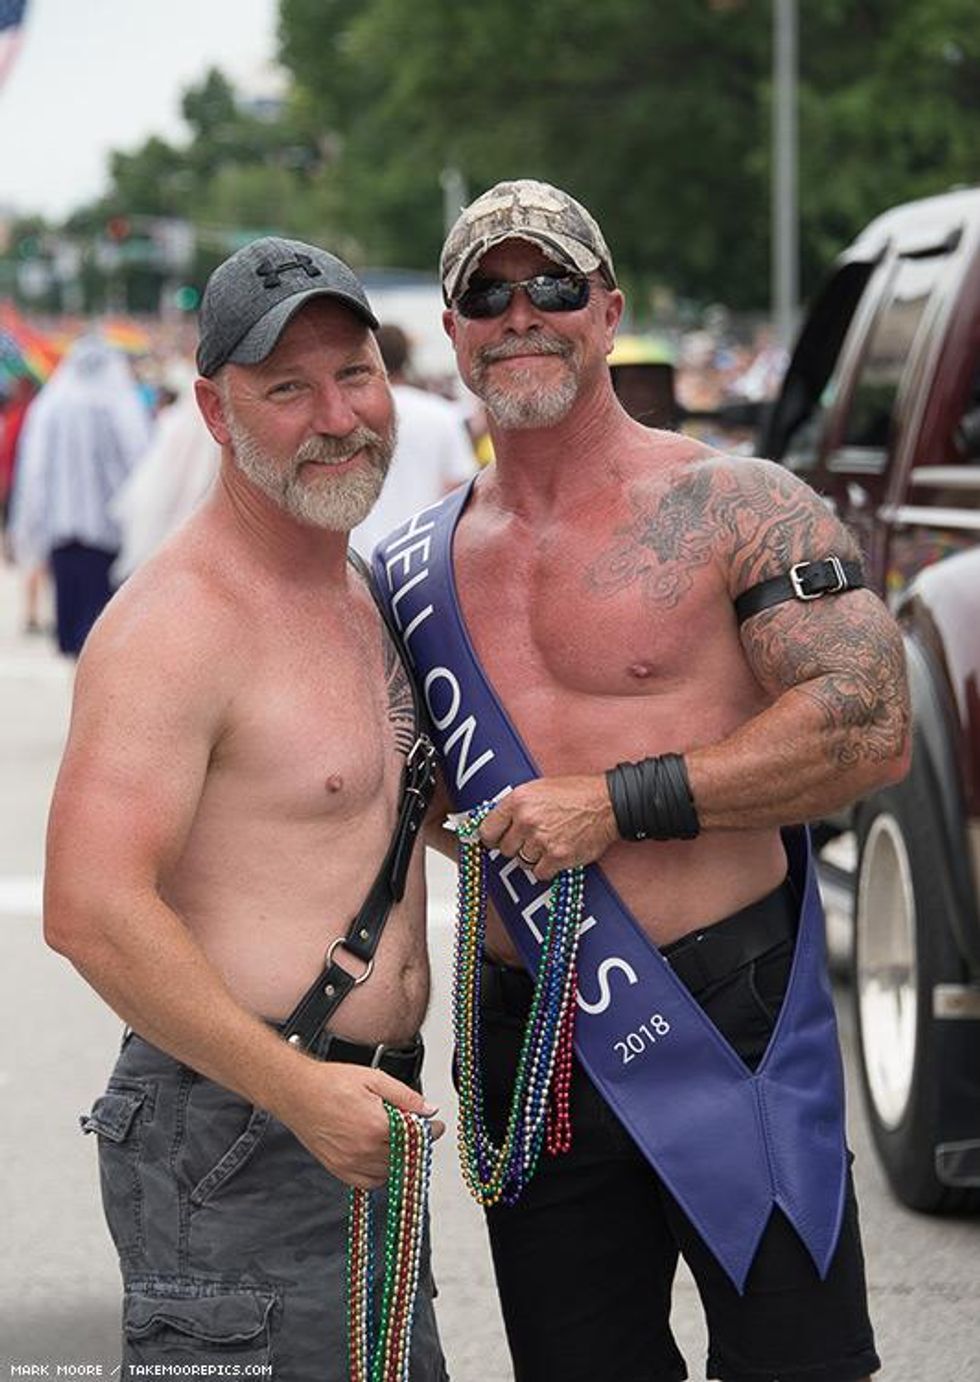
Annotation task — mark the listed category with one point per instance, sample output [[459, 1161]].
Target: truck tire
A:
[[914, 1067]]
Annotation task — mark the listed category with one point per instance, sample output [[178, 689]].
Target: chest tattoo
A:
[[667, 537]]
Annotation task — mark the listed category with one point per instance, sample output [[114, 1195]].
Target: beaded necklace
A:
[[544, 1069], [382, 1354]]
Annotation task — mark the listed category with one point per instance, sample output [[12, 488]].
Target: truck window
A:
[[791, 432], [870, 422]]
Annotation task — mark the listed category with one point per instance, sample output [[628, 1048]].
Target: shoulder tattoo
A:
[[401, 707]]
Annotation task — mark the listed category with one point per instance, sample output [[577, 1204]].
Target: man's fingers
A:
[[494, 827], [403, 1096]]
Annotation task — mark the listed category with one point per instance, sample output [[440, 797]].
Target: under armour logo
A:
[[270, 273]]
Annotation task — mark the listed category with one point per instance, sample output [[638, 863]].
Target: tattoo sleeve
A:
[[843, 653]]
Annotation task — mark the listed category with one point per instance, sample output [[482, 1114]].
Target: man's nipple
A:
[[641, 670], [334, 782]]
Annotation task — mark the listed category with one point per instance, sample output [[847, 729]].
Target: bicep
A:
[[131, 778]]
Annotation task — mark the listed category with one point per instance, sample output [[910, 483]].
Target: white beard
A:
[[337, 504], [521, 402]]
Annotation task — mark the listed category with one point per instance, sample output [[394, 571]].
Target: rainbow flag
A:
[[125, 335], [25, 350], [11, 22]]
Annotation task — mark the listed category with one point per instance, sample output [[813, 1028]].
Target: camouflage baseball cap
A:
[[523, 210]]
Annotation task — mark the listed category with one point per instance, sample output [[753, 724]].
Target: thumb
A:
[[402, 1096]]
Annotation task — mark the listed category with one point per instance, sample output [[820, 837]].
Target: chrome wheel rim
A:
[[886, 970]]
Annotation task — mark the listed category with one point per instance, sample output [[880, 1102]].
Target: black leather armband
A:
[[807, 580], [652, 799]]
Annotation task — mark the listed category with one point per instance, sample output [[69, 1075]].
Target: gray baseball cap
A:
[[523, 210], [251, 298]]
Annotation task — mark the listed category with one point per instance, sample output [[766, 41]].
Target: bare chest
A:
[[600, 642], [316, 731]]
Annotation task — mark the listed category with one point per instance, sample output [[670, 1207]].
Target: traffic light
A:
[[186, 298], [117, 228]]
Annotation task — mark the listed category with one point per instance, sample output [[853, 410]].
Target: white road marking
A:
[[21, 897]]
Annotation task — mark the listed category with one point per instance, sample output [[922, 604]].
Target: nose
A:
[[521, 314], [333, 413]]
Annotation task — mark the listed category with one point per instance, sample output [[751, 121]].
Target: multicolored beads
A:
[[381, 1354], [541, 1086]]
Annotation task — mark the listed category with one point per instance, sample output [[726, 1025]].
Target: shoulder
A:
[[171, 635]]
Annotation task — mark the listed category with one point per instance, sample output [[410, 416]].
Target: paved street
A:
[[58, 1278]]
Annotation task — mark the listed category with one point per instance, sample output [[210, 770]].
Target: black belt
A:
[[716, 951], [402, 1062], [698, 959]]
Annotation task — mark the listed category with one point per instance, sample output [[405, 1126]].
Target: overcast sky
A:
[[96, 75]]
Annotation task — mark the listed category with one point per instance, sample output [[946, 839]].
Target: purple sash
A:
[[729, 1144]]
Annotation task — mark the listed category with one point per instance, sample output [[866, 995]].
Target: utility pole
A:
[[785, 196], [453, 196]]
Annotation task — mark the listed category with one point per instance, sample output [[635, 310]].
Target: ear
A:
[[449, 324], [613, 312], [212, 408]]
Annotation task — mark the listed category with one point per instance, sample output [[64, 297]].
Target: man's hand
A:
[[336, 1111], [553, 823]]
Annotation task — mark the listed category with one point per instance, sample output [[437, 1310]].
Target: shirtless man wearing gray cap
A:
[[242, 736]]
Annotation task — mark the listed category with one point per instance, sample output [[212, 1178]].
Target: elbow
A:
[[61, 931], [69, 927]]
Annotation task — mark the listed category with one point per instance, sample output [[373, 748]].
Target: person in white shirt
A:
[[433, 454]]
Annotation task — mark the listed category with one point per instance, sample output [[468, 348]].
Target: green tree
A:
[[657, 116]]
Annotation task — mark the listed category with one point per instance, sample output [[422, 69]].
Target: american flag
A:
[[11, 19]]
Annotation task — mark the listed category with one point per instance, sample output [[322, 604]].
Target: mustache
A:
[[538, 343], [334, 450]]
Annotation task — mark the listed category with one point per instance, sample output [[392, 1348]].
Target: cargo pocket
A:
[[117, 1117], [197, 1322]]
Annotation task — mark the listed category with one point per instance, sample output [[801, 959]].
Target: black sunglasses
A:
[[490, 297]]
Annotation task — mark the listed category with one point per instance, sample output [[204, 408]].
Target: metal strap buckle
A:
[[379, 1051], [328, 960], [421, 757], [797, 575]]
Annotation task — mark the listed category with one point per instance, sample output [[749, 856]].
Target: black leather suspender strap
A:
[[335, 982], [807, 580]]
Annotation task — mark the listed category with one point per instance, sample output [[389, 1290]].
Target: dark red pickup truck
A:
[[880, 412]]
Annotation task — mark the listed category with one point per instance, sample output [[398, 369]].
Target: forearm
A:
[[809, 754]]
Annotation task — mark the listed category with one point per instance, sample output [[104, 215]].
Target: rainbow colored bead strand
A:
[[382, 1354], [493, 1173]]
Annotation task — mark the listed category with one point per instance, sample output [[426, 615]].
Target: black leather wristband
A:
[[652, 799]]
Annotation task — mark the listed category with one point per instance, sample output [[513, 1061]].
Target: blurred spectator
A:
[[642, 369], [168, 483], [82, 437], [433, 454], [759, 381], [14, 414]]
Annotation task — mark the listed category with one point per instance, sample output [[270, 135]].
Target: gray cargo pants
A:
[[231, 1237]]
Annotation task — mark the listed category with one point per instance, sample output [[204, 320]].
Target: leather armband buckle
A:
[[810, 579]]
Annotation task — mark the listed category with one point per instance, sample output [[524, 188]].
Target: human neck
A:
[[282, 544], [547, 468]]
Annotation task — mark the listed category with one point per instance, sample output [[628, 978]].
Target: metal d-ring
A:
[[328, 960]]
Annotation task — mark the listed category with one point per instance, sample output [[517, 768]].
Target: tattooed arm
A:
[[838, 724]]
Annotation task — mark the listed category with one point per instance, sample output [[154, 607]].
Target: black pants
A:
[[82, 590], [585, 1260]]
